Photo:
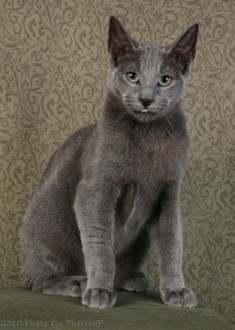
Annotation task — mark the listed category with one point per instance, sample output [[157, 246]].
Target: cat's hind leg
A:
[[48, 280], [127, 275], [72, 286], [52, 273]]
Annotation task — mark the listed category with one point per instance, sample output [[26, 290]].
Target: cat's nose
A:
[[146, 102]]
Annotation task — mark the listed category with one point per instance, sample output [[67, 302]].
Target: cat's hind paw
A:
[[135, 281], [184, 297], [99, 298]]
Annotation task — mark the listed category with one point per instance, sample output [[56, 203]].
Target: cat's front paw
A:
[[179, 298], [99, 298]]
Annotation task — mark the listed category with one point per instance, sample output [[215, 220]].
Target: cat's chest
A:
[[155, 160]]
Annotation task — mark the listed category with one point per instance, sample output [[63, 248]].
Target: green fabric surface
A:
[[24, 309]]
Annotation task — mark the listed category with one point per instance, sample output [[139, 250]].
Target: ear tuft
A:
[[119, 41]]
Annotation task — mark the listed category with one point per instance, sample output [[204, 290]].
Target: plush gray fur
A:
[[88, 227]]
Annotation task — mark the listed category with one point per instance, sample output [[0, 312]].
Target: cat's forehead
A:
[[149, 61], [150, 50], [152, 56]]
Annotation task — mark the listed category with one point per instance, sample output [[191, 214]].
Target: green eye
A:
[[165, 81], [132, 77]]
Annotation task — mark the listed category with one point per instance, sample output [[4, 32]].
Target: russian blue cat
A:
[[113, 183]]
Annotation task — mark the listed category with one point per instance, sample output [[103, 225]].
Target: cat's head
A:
[[148, 81]]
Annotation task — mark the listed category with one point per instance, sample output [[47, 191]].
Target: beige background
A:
[[53, 66]]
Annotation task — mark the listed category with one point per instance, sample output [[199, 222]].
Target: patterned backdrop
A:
[[53, 66]]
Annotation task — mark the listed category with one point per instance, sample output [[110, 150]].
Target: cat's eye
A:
[[165, 81], [132, 77]]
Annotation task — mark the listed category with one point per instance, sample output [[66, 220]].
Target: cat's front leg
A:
[[170, 246], [94, 209]]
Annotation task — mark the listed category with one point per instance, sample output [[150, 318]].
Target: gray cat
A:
[[111, 184]]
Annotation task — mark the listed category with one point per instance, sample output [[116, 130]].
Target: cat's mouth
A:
[[145, 115], [145, 112]]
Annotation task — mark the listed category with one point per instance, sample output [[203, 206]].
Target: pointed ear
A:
[[185, 47], [119, 41]]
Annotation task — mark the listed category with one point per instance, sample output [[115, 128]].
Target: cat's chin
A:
[[145, 116]]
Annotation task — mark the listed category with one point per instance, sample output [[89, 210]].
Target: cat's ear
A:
[[119, 41], [185, 47]]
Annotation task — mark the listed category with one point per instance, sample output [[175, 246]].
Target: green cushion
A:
[[24, 309]]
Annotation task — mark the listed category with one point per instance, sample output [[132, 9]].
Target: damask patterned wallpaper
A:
[[53, 66]]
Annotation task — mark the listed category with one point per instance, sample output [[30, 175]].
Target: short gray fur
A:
[[113, 184]]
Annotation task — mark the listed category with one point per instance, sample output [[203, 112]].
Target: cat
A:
[[114, 183]]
